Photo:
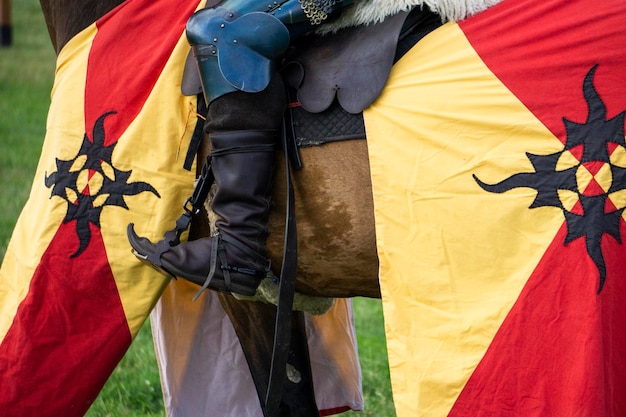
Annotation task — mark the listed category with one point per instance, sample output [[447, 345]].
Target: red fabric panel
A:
[[542, 50], [68, 335], [560, 351], [142, 35]]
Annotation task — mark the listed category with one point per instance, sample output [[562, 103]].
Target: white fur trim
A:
[[364, 12]]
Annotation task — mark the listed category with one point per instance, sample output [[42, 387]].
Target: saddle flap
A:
[[191, 84], [352, 65]]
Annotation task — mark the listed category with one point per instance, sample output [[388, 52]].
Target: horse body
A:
[[335, 219], [335, 214], [336, 235]]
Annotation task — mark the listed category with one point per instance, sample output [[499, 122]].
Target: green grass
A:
[[373, 355], [26, 76]]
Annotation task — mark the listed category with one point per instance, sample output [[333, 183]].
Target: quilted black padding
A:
[[333, 124]]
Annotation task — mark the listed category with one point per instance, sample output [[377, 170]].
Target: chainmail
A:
[[317, 10]]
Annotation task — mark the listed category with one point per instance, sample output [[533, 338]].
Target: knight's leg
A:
[[236, 48], [243, 128]]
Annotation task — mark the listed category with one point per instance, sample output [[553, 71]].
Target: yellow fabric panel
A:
[[154, 147], [453, 257], [64, 121]]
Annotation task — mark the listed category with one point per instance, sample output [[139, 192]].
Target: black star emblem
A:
[[592, 178], [89, 182]]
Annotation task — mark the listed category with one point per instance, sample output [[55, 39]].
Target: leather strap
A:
[[287, 288], [215, 242]]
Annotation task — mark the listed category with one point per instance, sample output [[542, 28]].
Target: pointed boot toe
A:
[[146, 251], [142, 247]]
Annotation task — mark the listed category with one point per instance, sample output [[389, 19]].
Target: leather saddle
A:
[[332, 78]]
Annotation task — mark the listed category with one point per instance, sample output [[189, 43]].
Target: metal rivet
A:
[[214, 39], [234, 40], [222, 25]]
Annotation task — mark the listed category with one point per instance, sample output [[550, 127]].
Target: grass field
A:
[[26, 76]]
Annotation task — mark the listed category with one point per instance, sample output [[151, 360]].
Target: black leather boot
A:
[[234, 258], [242, 163]]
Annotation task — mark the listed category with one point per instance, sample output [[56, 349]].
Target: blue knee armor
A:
[[238, 44]]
